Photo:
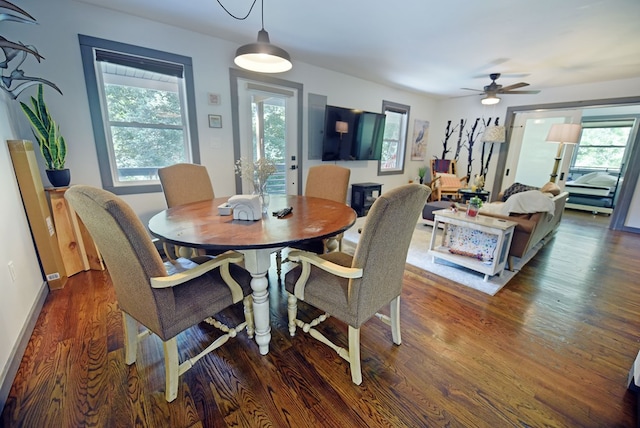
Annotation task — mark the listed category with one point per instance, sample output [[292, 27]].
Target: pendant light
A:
[[262, 56]]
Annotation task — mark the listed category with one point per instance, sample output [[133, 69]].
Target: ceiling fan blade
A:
[[521, 92], [514, 86], [471, 89]]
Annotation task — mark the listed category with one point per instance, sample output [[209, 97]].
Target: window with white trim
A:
[[142, 110], [394, 142]]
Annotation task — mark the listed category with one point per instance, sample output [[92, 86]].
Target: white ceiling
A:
[[432, 47]]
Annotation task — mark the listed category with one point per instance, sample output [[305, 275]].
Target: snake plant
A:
[[46, 131]]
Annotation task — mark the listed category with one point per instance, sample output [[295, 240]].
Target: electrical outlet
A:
[[12, 271]]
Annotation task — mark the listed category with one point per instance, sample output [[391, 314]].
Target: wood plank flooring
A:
[[552, 349]]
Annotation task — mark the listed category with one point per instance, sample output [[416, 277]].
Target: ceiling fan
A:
[[494, 88]]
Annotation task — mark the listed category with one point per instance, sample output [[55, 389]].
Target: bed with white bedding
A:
[[595, 192]]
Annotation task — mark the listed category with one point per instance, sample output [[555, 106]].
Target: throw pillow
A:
[[516, 188], [550, 188]]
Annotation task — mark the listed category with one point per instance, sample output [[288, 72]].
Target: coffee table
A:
[[479, 243]]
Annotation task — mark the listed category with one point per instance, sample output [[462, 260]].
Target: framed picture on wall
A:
[[419, 141], [215, 121]]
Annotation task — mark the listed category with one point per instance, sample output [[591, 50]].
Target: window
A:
[[602, 145], [142, 110], [395, 138]]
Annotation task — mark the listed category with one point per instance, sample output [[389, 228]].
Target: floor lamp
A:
[[563, 133]]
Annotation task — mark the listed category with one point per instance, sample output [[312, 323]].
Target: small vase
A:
[[261, 190], [472, 210]]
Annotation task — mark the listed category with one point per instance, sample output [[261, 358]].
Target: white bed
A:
[[595, 192]]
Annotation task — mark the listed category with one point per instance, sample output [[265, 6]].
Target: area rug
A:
[[418, 256]]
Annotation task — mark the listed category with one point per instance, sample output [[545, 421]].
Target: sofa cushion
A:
[[516, 188]]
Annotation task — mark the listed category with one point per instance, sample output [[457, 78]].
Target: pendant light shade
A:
[[262, 56]]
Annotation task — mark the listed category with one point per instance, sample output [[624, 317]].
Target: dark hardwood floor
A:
[[552, 349]]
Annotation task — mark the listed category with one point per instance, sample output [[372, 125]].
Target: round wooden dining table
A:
[[199, 225]]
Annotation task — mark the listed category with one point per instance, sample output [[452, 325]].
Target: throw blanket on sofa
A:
[[528, 202]]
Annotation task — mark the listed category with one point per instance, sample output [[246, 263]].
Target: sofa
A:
[[533, 223]]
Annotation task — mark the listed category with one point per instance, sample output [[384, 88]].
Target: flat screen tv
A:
[[351, 134]]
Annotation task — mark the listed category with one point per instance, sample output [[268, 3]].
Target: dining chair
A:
[[165, 298], [184, 183], [353, 288], [326, 182]]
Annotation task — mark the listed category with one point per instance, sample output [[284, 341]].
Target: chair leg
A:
[[395, 320], [130, 338], [278, 263], [292, 309], [171, 369], [247, 303], [354, 355]]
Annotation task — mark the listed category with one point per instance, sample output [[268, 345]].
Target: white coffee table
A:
[[479, 243]]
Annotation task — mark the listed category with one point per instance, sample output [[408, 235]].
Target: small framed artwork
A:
[[215, 121]]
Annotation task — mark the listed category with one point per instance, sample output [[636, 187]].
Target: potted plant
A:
[[421, 173], [47, 134]]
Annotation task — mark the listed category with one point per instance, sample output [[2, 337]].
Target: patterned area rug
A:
[[418, 257]]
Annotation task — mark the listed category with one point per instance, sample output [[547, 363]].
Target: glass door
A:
[[268, 129]]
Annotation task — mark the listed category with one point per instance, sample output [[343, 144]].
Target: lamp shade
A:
[[342, 127], [567, 133], [262, 56], [494, 134], [490, 99]]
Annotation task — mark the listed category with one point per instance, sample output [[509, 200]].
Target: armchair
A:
[[444, 179], [166, 298], [354, 288]]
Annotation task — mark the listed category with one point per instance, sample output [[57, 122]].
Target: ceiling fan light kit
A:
[[490, 99]]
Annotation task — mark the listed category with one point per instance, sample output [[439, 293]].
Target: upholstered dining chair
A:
[[166, 298], [354, 288], [326, 182], [184, 183]]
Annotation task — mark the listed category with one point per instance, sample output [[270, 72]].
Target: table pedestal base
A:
[[257, 262]]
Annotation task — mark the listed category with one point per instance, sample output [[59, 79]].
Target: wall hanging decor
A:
[[13, 79]]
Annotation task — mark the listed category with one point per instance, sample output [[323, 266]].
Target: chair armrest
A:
[[333, 268], [222, 261], [308, 259]]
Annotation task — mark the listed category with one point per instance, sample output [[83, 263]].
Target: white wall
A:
[[17, 297]]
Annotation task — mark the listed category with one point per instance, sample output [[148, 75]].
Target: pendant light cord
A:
[[242, 18]]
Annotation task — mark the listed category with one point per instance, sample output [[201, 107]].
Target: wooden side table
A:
[[79, 252], [479, 243]]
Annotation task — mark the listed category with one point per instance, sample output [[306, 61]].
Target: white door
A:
[[530, 158], [268, 128]]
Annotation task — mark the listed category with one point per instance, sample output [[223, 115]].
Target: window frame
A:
[[402, 150], [87, 46], [609, 122]]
